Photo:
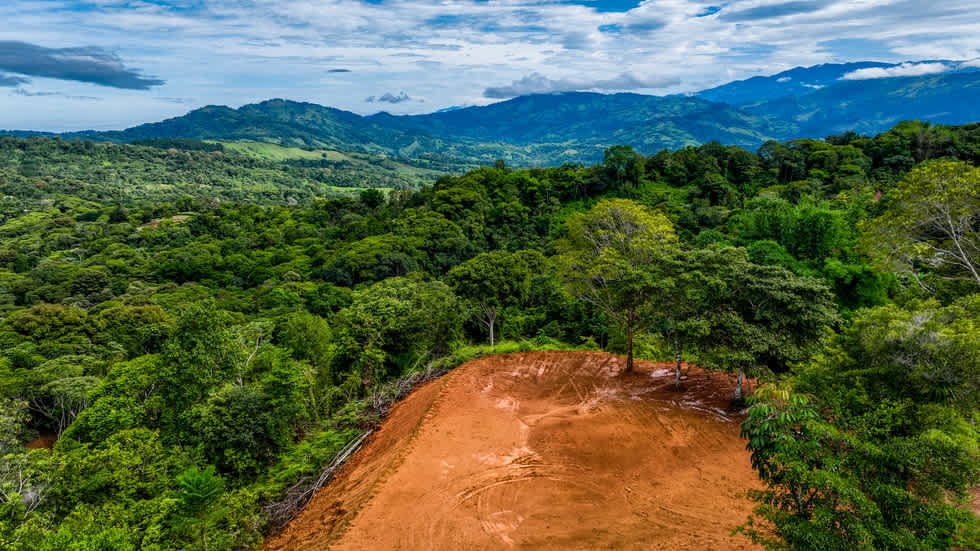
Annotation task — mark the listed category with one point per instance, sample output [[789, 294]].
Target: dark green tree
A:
[[491, 281], [874, 445]]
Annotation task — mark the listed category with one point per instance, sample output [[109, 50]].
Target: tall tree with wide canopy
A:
[[609, 261], [681, 297]]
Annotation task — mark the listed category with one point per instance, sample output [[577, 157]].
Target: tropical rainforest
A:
[[199, 329]]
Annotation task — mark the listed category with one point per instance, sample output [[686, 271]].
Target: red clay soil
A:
[[544, 450], [44, 441]]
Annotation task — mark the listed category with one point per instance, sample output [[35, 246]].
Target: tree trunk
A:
[[629, 347], [677, 358], [489, 319], [738, 383]]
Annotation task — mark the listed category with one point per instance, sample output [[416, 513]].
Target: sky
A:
[[110, 64]]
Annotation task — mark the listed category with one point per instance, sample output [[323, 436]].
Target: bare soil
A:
[[544, 450], [44, 441]]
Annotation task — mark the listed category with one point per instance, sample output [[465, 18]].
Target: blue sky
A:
[[104, 64]]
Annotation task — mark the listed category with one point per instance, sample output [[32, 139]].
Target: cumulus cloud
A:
[[388, 97], [536, 83], [903, 70], [86, 64], [971, 63]]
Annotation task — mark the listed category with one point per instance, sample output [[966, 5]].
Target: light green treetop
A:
[[933, 219]]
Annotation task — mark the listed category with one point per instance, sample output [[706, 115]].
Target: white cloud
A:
[[388, 97], [449, 52], [536, 83], [903, 70]]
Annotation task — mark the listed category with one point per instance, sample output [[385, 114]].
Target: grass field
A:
[[274, 152]]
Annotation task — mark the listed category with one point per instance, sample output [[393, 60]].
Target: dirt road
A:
[[545, 450]]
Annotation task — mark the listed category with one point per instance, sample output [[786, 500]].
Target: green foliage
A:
[[745, 316], [932, 223], [393, 325], [160, 325], [108, 174], [492, 281], [874, 447], [609, 259], [197, 489]]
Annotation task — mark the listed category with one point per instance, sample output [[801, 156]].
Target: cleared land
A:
[[544, 450]]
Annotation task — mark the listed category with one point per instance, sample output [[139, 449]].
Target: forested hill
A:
[[577, 127], [37, 171], [798, 81], [201, 358]]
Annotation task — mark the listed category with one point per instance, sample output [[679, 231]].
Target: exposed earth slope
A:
[[545, 450]]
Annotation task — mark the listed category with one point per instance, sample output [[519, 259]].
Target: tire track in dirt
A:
[[326, 517], [547, 450]]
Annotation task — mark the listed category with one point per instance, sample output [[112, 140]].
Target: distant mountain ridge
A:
[[798, 81], [550, 129]]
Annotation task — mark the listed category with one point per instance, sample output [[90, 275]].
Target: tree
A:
[[681, 298], [394, 324], [623, 165], [609, 261], [492, 281], [63, 399], [240, 429], [372, 259], [201, 354], [198, 490], [309, 339], [873, 445], [760, 316], [932, 220]]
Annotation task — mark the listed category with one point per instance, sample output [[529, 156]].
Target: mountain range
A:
[[548, 129]]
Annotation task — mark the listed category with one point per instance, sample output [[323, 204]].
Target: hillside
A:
[[580, 125], [35, 171], [798, 81], [576, 127], [545, 450], [868, 106], [179, 321], [280, 121]]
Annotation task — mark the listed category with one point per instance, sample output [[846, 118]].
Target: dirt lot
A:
[[544, 450]]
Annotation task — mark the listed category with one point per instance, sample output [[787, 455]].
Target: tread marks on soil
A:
[[559, 451]]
